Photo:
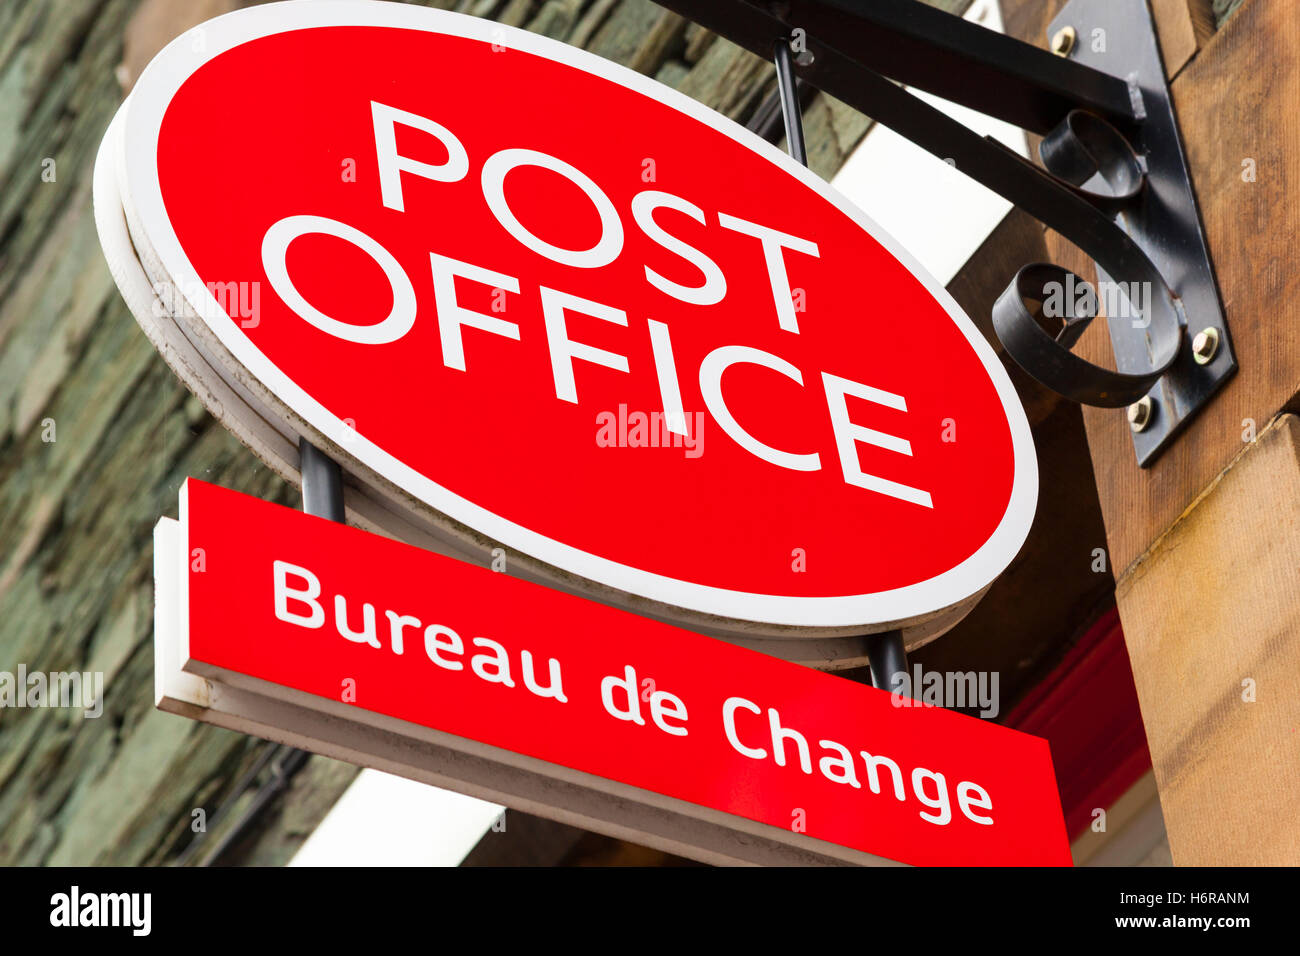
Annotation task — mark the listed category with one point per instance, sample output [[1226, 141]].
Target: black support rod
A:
[[791, 108], [927, 49], [768, 118], [887, 657], [322, 482]]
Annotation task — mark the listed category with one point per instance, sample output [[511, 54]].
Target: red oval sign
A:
[[579, 314]]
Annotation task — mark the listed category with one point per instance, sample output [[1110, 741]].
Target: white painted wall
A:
[[383, 820]]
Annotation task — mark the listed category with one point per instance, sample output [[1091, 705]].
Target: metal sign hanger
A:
[[1114, 179]]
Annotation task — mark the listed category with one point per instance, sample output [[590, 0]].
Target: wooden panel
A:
[[1236, 102], [1184, 26], [1213, 604], [1028, 19]]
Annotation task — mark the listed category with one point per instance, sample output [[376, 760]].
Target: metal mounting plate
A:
[[1119, 37]]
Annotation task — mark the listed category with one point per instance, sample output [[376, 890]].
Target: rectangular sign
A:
[[514, 689]]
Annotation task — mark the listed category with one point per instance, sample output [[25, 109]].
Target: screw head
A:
[[1140, 413], [1063, 41], [1205, 346]]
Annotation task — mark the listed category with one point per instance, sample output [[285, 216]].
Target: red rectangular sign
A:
[[352, 617]]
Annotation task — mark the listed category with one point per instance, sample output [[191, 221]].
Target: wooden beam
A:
[[1183, 26], [1236, 106], [1209, 615], [1205, 542]]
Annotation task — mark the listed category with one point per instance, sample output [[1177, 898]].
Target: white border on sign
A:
[[143, 197]]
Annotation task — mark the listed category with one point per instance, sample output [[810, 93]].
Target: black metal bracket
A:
[[1113, 180]]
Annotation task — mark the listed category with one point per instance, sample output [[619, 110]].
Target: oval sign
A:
[[576, 313]]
